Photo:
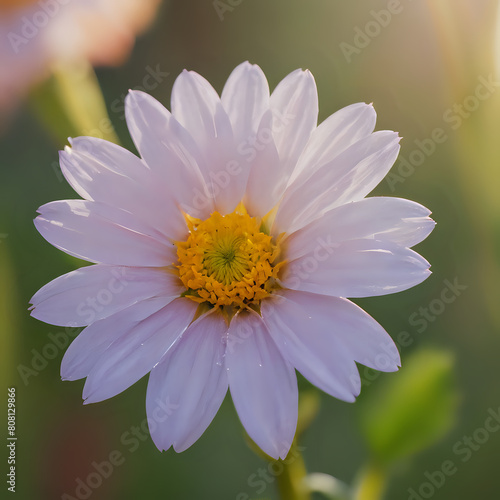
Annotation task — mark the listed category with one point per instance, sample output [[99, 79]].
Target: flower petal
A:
[[85, 351], [95, 292], [357, 268], [333, 136], [196, 105], [348, 177], [100, 233], [330, 320], [294, 103], [400, 221], [263, 385], [187, 387], [265, 183], [245, 98], [138, 350], [100, 170], [171, 153], [308, 340]]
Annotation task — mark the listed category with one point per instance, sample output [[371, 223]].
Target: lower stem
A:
[[291, 474]]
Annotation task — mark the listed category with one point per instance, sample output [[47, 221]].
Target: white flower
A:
[[223, 256], [35, 34]]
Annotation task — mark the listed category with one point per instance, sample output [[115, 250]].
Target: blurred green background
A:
[[430, 69]]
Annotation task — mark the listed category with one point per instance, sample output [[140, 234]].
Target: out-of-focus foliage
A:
[[408, 412]]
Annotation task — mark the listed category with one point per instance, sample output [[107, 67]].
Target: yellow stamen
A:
[[227, 260]]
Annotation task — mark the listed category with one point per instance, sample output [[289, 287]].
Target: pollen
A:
[[227, 260]]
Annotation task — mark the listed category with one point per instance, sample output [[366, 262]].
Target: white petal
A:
[[265, 183], [331, 319], [294, 103], [86, 350], [282, 133], [100, 170], [187, 387], [96, 292], [357, 268], [335, 135], [388, 219], [308, 341], [100, 233], [171, 153], [196, 105], [263, 385], [137, 351], [348, 177], [245, 98]]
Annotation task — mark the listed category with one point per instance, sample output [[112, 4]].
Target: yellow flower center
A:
[[227, 260]]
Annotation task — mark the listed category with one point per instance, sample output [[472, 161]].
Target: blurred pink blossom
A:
[[33, 35]]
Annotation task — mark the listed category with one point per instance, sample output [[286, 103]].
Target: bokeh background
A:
[[431, 71]]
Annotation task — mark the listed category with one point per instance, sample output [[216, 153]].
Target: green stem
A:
[[70, 103], [292, 472], [371, 483]]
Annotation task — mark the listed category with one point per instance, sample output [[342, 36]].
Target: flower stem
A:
[[70, 103], [291, 472], [290, 480], [371, 483]]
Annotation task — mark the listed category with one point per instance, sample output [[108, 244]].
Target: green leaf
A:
[[411, 409]]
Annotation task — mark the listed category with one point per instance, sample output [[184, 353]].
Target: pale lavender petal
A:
[[263, 385], [171, 153], [95, 292], [187, 387], [294, 103], [245, 98], [101, 171], [266, 182], [196, 105], [350, 176], [396, 220], [85, 351], [322, 321], [357, 268], [137, 351], [309, 341], [100, 233], [335, 135]]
